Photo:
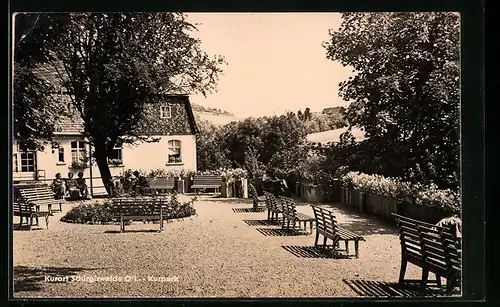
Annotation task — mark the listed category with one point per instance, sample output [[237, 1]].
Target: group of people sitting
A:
[[271, 182], [70, 187]]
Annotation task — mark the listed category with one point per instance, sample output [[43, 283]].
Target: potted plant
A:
[[115, 162], [77, 165]]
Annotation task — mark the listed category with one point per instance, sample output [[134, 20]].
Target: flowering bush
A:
[[313, 170], [427, 195], [92, 213], [231, 175], [170, 173], [434, 197]]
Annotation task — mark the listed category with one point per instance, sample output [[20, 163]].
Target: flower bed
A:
[[101, 214], [382, 196]]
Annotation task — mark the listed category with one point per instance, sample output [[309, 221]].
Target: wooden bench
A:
[[161, 184], [206, 182], [258, 201], [326, 225], [41, 196], [274, 208], [31, 213], [140, 209], [435, 249], [290, 215]]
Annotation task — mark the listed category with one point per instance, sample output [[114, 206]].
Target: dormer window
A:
[[165, 112]]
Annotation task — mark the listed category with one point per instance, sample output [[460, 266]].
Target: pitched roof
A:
[[333, 110], [74, 124], [69, 125], [50, 74]]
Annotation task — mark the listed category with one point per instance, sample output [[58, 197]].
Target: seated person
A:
[[82, 186], [71, 187], [58, 187], [267, 176], [455, 223], [274, 184], [141, 184]]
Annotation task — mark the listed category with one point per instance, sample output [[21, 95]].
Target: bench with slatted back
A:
[[161, 184], [273, 206], [41, 196], [259, 202], [326, 225], [31, 214], [206, 182], [433, 248], [291, 216], [140, 209]]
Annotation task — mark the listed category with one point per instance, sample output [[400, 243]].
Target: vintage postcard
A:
[[236, 155]]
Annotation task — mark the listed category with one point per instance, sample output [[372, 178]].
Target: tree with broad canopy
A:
[[404, 92], [114, 63]]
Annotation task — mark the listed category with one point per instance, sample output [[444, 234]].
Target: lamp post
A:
[[90, 171]]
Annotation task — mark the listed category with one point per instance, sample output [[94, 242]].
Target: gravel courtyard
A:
[[222, 252]]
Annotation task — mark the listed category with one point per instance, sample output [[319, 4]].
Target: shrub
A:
[[91, 213], [426, 195], [101, 214], [230, 175]]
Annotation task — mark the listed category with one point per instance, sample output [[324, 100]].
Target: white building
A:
[[171, 120]]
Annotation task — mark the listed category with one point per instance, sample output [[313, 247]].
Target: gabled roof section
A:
[[190, 114], [50, 74], [69, 125]]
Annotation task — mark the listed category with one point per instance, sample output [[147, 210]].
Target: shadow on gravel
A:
[[262, 223], [18, 227], [248, 210], [233, 201], [313, 252], [272, 232], [371, 288], [366, 227], [29, 279], [360, 223], [132, 231]]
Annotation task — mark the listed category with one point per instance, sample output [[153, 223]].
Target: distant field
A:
[[334, 135], [218, 120]]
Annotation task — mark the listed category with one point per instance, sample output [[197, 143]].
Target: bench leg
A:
[[346, 246], [324, 243], [47, 221], [402, 270], [311, 227], [438, 281], [317, 238], [122, 225], [451, 281], [425, 276], [356, 245]]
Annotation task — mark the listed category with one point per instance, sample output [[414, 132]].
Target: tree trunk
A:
[[102, 162]]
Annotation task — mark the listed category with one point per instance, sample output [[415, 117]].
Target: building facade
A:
[[170, 120]]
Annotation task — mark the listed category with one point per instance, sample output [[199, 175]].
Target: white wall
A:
[[149, 156], [145, 156]]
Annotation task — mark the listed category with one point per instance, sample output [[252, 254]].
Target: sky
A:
[[275, 61]]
